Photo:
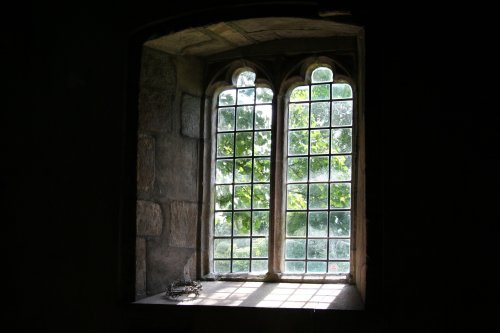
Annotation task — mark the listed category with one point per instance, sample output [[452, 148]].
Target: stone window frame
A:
[[303, 70], [169, 94]]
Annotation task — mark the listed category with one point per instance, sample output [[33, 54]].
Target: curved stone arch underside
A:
[[225, 36]]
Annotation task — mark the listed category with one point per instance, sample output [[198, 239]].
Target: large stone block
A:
[[156, 109], [157, 69], [190, 116], [157, 91], [166, 264], [190, 75], [140, 268], [183, 222], [176, 169], [149, 218], [145, 164]]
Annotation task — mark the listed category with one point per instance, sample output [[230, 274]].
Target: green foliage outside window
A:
[[318, 176], [242, 177], [319, 171]]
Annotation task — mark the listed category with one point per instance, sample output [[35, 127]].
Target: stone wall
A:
[[167, 170], [174, 69]]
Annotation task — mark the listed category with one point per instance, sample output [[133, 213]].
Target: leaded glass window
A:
[[242, 177], [314, 228], [318, 177]]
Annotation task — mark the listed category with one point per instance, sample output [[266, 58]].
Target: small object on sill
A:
[[183, 290]]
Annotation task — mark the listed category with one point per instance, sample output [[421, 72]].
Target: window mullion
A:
[[276, 207]]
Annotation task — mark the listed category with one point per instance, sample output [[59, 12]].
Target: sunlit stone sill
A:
[[269, 295]]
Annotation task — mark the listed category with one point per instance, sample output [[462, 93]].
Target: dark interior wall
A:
[[68, 172]]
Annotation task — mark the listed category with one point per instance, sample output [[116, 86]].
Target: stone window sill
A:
[[334, 296]]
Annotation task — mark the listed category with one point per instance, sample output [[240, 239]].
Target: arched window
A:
[[311, 232], [318, 177], [242, 177], [250, 154]]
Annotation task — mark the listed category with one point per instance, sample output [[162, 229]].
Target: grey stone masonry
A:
[[140, 267], [190, 117], [177, 169], [149, 218], [165, 264], [145, 164], [224, 36], [183, 220], [157, 93]]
